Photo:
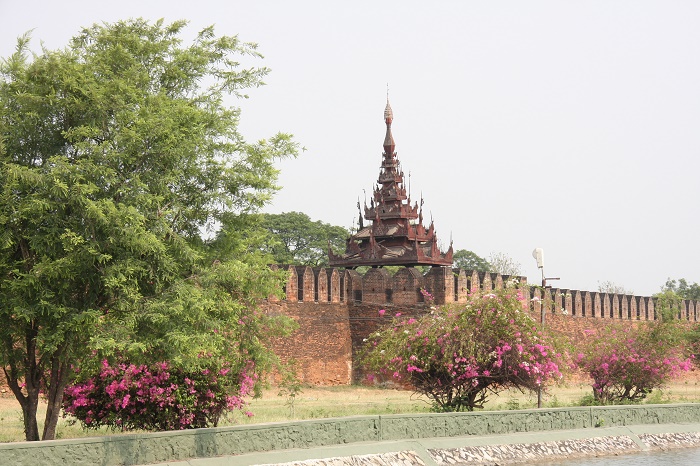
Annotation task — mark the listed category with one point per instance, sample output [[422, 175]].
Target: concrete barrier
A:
[[160, 447]]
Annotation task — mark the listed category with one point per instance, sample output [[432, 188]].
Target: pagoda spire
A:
[[393, 237], [389, 144]]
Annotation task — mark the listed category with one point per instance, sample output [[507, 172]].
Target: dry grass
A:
[[324, 402]]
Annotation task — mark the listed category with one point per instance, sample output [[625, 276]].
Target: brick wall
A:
[[379, 287], [337, 309], [321, 345]]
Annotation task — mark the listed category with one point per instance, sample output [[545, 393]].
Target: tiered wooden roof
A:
[[395, 235]]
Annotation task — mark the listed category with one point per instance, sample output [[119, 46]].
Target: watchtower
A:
[[395, 235]]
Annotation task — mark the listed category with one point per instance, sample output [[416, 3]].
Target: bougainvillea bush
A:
[[458, 355], [157, 397], [626, 363], [213, 352]]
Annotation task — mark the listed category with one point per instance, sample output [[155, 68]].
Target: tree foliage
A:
[[626, 364], [468, 260], [683, 288], [613, 288], [503, 264], [458, 355], [668, 304], [296, 239], [117, 152]]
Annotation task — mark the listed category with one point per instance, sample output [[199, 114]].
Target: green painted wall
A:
[[202, 443]]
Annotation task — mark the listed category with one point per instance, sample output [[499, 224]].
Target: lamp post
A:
[[538, 254]]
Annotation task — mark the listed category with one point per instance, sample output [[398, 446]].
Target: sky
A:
[[572, 126]]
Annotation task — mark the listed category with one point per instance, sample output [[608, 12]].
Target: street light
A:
[[538, 254]]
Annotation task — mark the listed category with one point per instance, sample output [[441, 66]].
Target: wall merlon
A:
[[378, 286]]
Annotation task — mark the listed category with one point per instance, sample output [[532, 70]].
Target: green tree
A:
[[682, 288], [117, 153], [468, 260], [296, 239]]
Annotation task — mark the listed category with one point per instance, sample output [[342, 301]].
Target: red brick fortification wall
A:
[[337, 309], [575, 327], [321, 345]]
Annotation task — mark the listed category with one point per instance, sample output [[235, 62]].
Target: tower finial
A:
[[388, 118], [388, 113]]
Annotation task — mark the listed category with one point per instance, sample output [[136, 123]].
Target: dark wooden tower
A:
[[396, 235]]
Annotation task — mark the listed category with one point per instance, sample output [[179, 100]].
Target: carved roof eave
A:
[[404, 212], [374, 254], [351, 263]]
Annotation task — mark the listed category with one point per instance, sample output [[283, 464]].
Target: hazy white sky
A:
[[573, 126]]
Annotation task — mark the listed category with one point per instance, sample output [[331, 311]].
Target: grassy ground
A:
[[323, 402]]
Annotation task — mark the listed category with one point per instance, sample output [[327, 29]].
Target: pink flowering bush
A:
[[157, 397], [626, 364], [458, 355]]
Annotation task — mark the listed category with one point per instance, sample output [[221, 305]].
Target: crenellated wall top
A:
[[381, 286]]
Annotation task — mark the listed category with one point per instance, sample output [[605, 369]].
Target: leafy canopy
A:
[[627, 363], [458, 355], [116, 153], [682, 288], [503, 264], [295, 239], [468, 260]]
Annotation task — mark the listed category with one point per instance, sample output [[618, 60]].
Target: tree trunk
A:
[[55, 395], [29, 407], [32, 378], [24, 377]]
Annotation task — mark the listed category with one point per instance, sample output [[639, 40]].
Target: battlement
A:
[[380, 287], [336, 310]]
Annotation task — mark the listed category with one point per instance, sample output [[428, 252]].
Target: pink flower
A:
[[382, 312]]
